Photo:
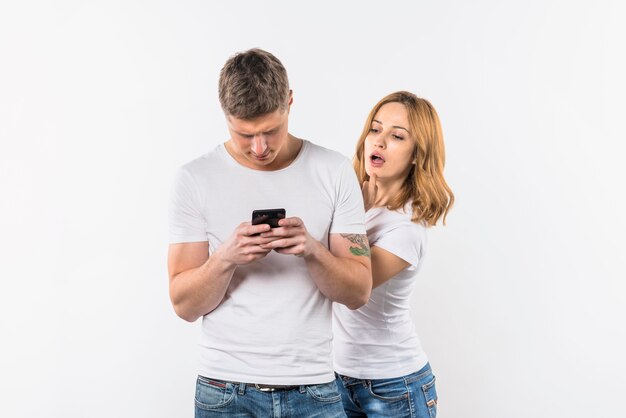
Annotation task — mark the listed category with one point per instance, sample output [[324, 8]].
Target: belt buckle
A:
[[264, 389]]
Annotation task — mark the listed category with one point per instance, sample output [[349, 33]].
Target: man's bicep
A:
[[185, 256], [352, 246]]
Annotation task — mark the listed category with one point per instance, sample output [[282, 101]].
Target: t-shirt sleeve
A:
[[186, 222], [406, 241], [349, 215]]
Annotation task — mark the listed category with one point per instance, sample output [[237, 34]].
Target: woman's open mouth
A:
[[376, 160]]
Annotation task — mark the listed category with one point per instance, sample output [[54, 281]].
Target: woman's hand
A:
[[370, 190]]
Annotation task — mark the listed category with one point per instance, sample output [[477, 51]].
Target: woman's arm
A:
[[385, 265]]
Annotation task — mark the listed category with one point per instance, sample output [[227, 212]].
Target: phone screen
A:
[[268, 216]]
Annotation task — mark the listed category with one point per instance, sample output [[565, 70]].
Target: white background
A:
[[521, 300]]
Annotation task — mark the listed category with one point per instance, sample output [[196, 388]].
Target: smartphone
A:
[[268, 216]]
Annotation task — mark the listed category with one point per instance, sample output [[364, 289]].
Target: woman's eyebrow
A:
[[394, 126]]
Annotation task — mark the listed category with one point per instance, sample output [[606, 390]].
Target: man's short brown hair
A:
[[253, 83]]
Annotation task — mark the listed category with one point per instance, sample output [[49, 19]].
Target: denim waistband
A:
[[260, 386]]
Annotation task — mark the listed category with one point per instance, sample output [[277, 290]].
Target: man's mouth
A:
[[260, 157]]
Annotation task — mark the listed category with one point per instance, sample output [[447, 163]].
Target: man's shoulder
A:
[[201, 163], [325, 154]]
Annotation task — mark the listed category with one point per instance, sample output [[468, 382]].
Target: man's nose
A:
[[259, 145]]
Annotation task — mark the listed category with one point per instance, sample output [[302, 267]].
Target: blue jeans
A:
[[411, 396], [216, 398]]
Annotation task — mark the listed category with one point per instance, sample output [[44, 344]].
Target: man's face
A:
[[259, 143]]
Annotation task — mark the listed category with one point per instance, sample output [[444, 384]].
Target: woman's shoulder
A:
[[398, 217], [393, 231], [381, 221]]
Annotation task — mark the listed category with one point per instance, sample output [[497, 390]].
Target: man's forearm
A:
[[198, 291], [340, 279]]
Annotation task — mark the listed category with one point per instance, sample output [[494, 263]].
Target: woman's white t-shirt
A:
[[378, 340]]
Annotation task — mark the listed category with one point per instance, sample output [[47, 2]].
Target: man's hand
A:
[[340, 273], [291, 237], [369, 190], [198, 282], [246, 244]]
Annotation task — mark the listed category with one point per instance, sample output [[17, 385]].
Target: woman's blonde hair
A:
[[425, 185]]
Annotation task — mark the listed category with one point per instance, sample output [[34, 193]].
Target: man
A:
[[265, 294]]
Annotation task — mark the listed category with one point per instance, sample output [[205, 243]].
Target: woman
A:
[[381, 368]]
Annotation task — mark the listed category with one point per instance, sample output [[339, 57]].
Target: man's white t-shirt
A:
[[273, 325], [378, 340]]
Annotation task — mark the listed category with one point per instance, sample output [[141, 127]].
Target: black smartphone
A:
[[268, 216]]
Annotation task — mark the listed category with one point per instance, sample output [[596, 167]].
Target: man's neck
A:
[[288, 153]]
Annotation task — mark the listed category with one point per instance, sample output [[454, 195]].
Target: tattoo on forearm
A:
[[360, 240]]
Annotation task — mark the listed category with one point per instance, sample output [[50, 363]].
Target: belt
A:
[[272, 388]]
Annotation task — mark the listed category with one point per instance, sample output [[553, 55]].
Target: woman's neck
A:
[[387, 191]]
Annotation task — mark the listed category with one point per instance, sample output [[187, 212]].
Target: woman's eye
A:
[[398, 137], [374, 130]]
